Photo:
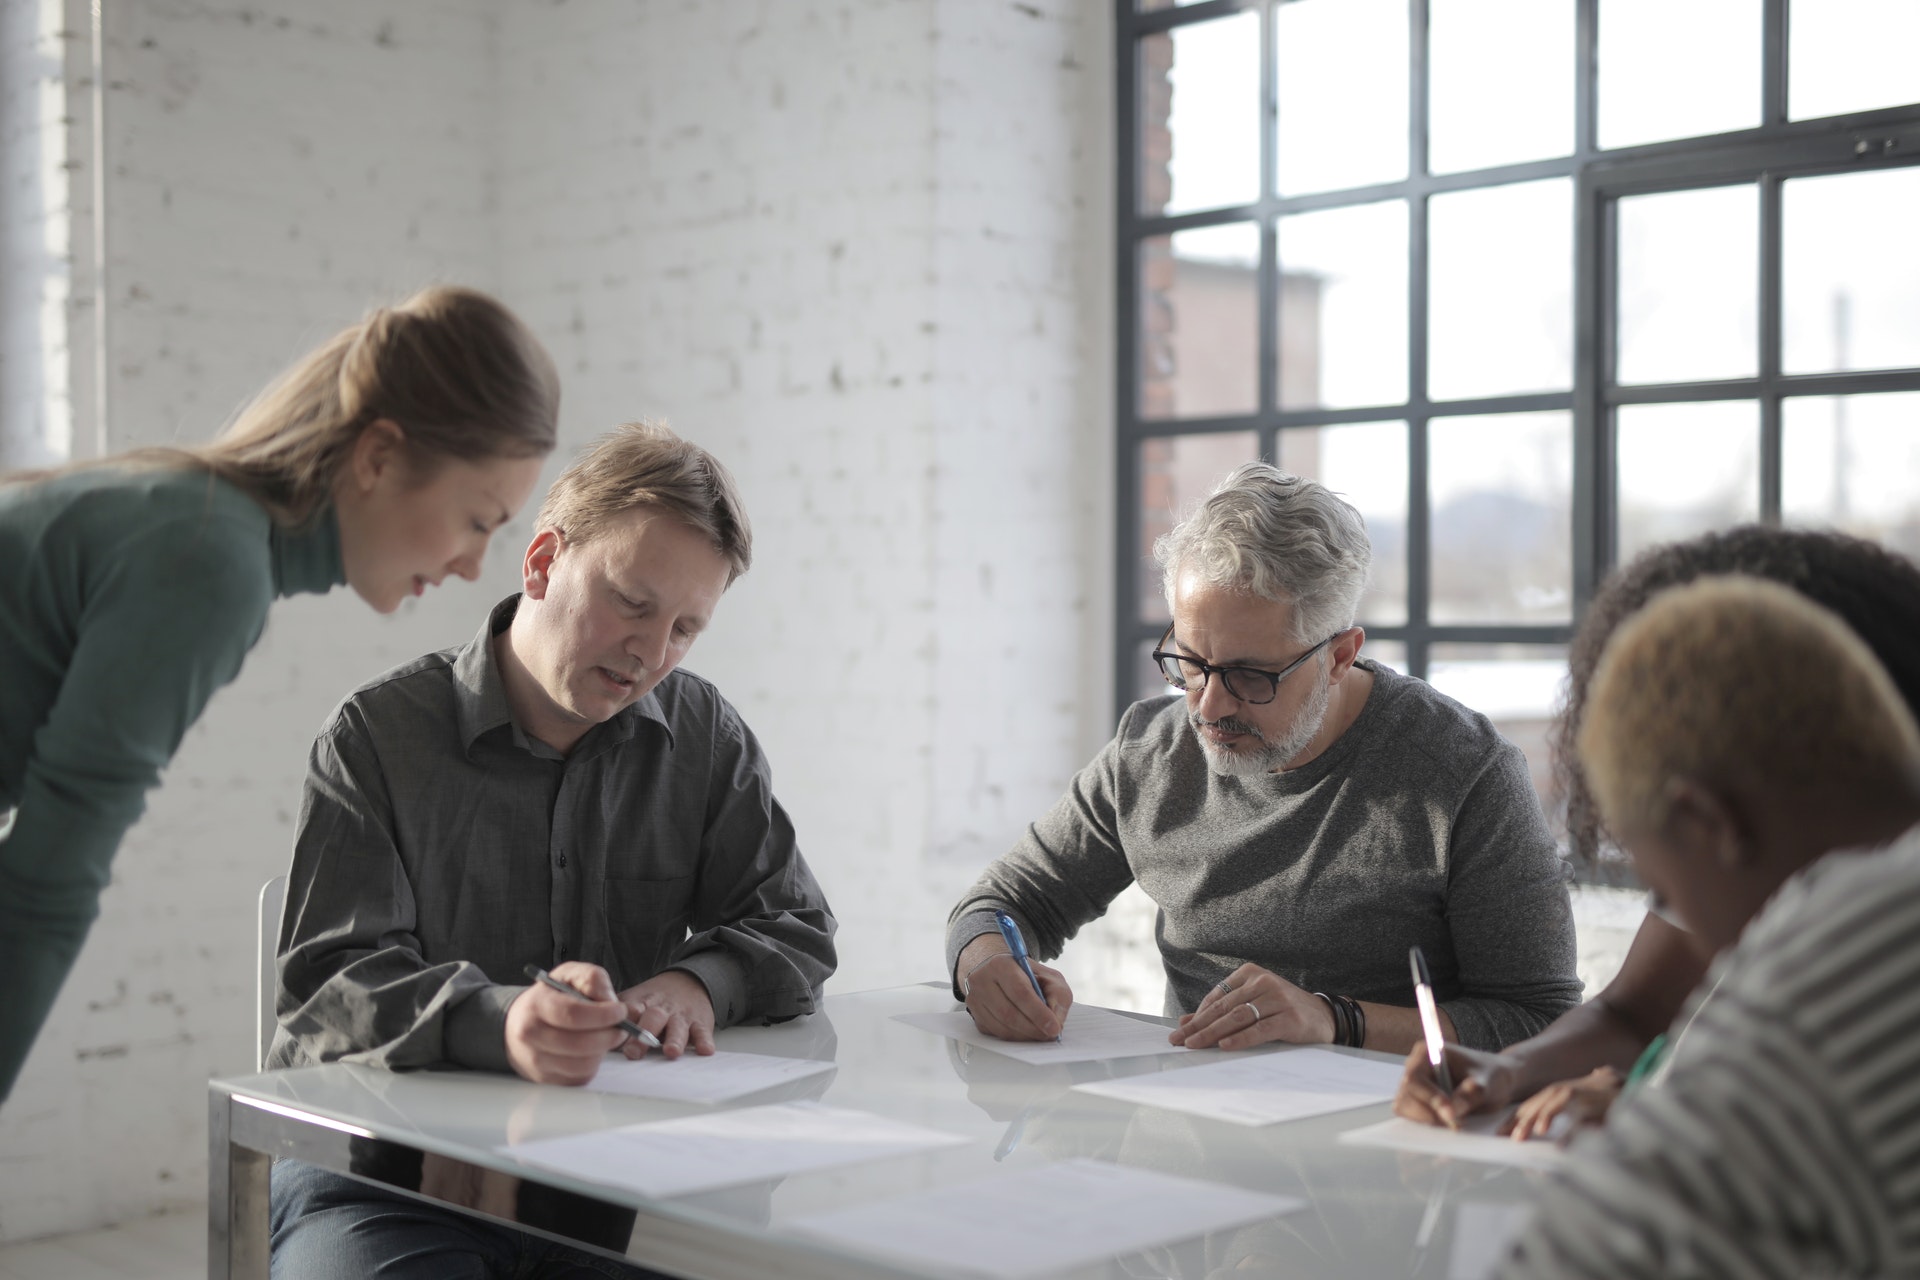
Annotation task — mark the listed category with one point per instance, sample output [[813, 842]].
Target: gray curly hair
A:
[[1280, 537]]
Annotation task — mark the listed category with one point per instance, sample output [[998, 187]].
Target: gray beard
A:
[[1273, 753]]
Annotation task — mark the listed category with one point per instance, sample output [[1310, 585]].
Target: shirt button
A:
[[563, 861]]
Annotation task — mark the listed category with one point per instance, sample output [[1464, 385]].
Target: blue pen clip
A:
[[1018, 945]]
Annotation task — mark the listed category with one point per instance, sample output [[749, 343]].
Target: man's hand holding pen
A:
[[1001, 999]]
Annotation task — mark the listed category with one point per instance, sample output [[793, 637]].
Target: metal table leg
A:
[[236, 1198]]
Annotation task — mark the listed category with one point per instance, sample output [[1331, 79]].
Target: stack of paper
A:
[[1263, 1089], [1091, 1034], [720, 1077], [1043, 1220], [728, 1148]]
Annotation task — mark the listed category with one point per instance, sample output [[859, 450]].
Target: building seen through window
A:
[[1535, 284]]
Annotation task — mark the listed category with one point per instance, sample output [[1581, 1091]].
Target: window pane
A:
[[1851, 272], [1198, 335], [1851, 55], [1343, 94], [1501, 497], [1502, 82], [1365, 463], [1501, 307], [1517, 686], [1388, 653], [1343, 307], [1689, 285], [1176, 472], [1200, 116], [1686, 469], [1678, 70], [1853, 463]]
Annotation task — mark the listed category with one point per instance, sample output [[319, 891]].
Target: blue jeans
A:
[[329, 1227]]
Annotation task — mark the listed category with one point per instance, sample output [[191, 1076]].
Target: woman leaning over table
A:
[[134, 586]]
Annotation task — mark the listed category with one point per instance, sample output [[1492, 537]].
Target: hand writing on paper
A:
[[554, 1039], [1482, 1082], [1001, 999], [1583, 1101], [675, 1006], [1252, 1007]]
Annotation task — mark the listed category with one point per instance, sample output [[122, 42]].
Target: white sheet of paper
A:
[[693, 1078], [1043, 1220], [1481, 1234], [1090, 1035], [727, 1148], [1262, 1089], [1475, 1141]]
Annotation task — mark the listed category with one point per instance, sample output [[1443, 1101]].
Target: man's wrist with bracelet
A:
[[1349, 1019], [966, 980]]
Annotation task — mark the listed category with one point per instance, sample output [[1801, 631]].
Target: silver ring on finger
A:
[[1256, 1010], [1223, 985]]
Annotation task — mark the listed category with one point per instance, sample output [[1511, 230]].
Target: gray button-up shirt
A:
[[440, 850]]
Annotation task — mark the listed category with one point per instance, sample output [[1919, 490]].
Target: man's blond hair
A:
[[644, 465], [1741, 685]]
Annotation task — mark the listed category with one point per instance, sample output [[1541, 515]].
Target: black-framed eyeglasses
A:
[[1245, 684]]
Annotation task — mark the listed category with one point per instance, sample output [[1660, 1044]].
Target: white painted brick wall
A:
[[850, 247], [270, 173], [861, 249]]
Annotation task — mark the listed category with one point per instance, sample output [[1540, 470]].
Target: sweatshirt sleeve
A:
[[169, 623], [1064, 872], [1508, 912]]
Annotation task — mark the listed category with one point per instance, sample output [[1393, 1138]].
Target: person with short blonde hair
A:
[[136, 585], [560, 791], [644, 464], [1762, 771]]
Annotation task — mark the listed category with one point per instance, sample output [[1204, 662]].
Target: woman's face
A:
[[401, 532]]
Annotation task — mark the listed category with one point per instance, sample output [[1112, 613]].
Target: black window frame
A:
[[1767, 154]]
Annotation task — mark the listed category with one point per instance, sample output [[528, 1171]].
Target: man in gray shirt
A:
[[557, 793], [1301, 817]]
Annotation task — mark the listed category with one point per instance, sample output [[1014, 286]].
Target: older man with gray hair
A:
[[1301, 817]]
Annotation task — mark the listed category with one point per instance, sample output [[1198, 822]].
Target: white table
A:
[[1369, 1212]]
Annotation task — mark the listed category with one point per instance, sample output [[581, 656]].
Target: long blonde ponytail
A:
[[457, 372]]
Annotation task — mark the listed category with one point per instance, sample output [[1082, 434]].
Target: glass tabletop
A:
[[1368, 1212]]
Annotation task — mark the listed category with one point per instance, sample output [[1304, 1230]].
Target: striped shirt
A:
[[1785, 1140]]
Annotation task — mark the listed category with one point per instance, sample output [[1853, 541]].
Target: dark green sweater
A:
[[126, 598]]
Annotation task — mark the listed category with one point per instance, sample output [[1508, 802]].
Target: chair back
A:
[[273, 897]]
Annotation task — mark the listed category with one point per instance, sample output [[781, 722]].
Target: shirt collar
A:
[[308, 560], [480, 695]]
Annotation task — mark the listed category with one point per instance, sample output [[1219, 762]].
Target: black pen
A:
[[1430, 1019], [633, 1029]]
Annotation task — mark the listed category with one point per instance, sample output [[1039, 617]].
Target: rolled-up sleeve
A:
[[762, 934], [354, 984]]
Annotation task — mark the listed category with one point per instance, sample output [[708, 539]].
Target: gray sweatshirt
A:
[[1418, 825]]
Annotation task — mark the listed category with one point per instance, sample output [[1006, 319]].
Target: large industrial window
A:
[[1534, 283]]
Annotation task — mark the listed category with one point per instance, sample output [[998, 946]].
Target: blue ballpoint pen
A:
[[1018, 945]]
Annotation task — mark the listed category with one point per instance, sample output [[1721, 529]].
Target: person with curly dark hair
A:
[[1580, 1062], [1759, 767]]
